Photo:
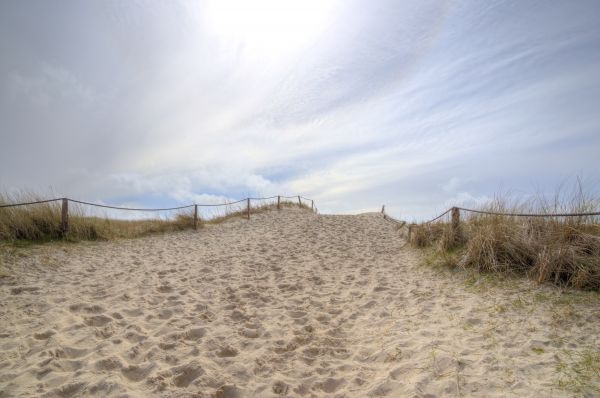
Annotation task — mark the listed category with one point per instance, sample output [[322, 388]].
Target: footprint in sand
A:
[[93, 309], [134, 337], [137, 372], [134, 312], [226, 352], [330, 385], [183, 375], [165, 314], [44, 335], [165, 289], [296, 314], [97, 320], [110, 363], [194, 334], [280, 388], [67, 352], [228, 391], [238, 316], [117, 315], [167, 345], [21, 289], [249, 333], [68, 390]]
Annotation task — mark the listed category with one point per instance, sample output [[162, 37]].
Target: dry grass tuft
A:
[[561, 250], [41, 222], [427, 235], [35, 222]]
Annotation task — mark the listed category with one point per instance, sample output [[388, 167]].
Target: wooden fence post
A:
[[312, 205], [455, 220], [278, 202], [409, 232], [64, 225], [248, 208], [299, 201], [383, 209], [195, 217]]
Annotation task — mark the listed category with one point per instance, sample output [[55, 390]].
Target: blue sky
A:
[[415, 104]]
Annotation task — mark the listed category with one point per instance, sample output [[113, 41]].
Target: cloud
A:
[[52, 84], [416, 104], [466, 199]]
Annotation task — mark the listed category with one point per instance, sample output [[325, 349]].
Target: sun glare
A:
[[269, 26]]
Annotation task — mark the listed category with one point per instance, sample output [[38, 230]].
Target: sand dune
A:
[[287, 304]]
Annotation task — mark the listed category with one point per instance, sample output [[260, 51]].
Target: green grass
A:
[[579, 371]]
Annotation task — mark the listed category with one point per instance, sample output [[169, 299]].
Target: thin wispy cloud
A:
[[415, 104]]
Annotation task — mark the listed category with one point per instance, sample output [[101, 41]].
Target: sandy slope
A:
[[288, 303]]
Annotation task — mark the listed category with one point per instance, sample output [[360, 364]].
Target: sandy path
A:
[[286, 304]]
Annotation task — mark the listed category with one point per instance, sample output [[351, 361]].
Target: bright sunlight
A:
[[267, 26]]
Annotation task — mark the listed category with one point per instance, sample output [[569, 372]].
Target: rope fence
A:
[[242, 206], [455, 216], [30, 203], [128, 208], [388, 218]]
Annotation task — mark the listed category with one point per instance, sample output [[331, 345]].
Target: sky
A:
[[415, 104]]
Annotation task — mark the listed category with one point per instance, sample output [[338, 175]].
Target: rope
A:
[[438, 217], [31, 203], [388, 218], [531, 214], [128, 208], [143, 209], [270, 197], [392, 219], [223, 204], [493, 213]]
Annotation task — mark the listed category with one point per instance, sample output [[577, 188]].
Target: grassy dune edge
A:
[[42, 222], [561, 250]]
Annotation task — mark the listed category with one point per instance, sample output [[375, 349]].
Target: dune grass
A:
[[561, 250], [579, 371], [255, 210], [38, 223], [42, 223]]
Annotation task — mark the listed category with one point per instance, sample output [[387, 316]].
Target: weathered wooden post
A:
[[455, 220], [64, 225], [195, 217], [278, 202], [312, 205], [409, 232], [248, 208], [299, 201], [383, 209]]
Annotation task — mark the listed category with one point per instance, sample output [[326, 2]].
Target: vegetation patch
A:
[[561, 250], [579, 371], [22, 226]]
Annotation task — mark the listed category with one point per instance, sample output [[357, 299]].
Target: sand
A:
[[289, 303]]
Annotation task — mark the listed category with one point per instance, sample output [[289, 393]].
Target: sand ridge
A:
[[289, 303]]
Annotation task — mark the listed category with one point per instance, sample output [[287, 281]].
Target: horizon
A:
[[418, 106]]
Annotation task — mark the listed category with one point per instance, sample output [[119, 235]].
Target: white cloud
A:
[[452, 184], [400, 103], [52, 83]]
